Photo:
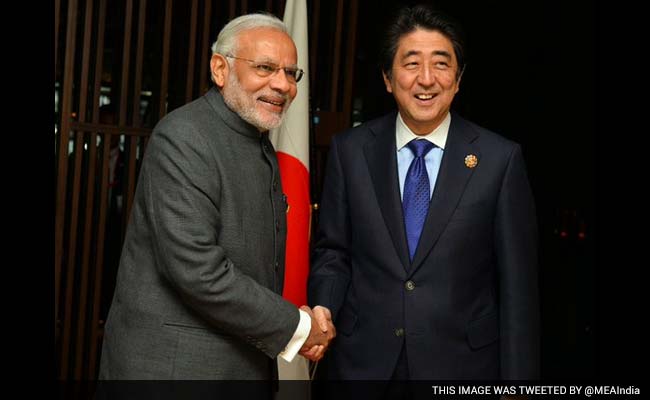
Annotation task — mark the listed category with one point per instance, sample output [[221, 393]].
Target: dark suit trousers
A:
[[398, 387]]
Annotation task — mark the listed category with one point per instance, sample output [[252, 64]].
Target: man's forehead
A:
[[260, 39], [252, 37], [424, 41], [269, 45]]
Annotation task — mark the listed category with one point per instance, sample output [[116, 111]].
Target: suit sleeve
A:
[[330, 271], [181, 190], [516, 252]]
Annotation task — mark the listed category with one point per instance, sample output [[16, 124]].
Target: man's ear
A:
[[219, 70], [389, 87]]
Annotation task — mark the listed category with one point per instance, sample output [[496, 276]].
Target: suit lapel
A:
[[382, 164], [450, 185]]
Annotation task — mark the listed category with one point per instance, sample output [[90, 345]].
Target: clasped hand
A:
[[321, 334]]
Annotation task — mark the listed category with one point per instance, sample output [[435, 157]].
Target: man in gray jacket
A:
[[198, 293]]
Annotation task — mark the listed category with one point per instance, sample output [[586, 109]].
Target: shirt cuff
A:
[[299, 337]]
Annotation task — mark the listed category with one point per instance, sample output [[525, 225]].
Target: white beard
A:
[[245, 105]]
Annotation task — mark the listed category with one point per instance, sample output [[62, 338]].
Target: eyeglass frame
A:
[[256, 64]]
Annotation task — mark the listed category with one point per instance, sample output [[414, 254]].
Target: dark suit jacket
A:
[[199, 285], [467, 306]]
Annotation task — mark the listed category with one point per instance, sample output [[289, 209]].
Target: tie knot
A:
[[421, 147]]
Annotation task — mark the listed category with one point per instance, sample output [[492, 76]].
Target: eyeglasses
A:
[[266, 69]]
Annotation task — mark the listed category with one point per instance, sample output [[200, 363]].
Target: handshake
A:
[[321, 334]]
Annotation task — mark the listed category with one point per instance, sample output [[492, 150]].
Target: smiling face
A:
[[423, 79], [261, 101]]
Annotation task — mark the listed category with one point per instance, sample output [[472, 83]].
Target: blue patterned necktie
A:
[[415, 203]]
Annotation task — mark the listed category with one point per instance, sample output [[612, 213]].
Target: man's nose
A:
[[426, 77], [280, 81]]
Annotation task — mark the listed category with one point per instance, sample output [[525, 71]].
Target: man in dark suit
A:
[[198, 293], [425, 254]]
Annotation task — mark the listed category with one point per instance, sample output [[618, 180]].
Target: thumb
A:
[[322, 318]]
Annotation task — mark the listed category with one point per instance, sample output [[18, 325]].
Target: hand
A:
[[314, 347], [324, 319], [320, 335]]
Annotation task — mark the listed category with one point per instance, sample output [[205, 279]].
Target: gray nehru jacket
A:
[[199, 285]]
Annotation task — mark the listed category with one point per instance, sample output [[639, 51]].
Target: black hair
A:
[[424, 17]]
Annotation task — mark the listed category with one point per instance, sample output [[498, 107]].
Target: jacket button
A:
[[277, 226], [409, 285], [399, 332], [277, 266], [275, 185]]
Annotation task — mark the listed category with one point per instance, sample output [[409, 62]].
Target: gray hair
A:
[[226, 42]]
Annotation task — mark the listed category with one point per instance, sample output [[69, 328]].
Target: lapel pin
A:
[[471, 161]]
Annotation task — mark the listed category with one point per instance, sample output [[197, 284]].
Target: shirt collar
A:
[[438, 136]]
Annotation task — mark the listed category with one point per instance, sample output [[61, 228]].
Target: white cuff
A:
[[299, 337]]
